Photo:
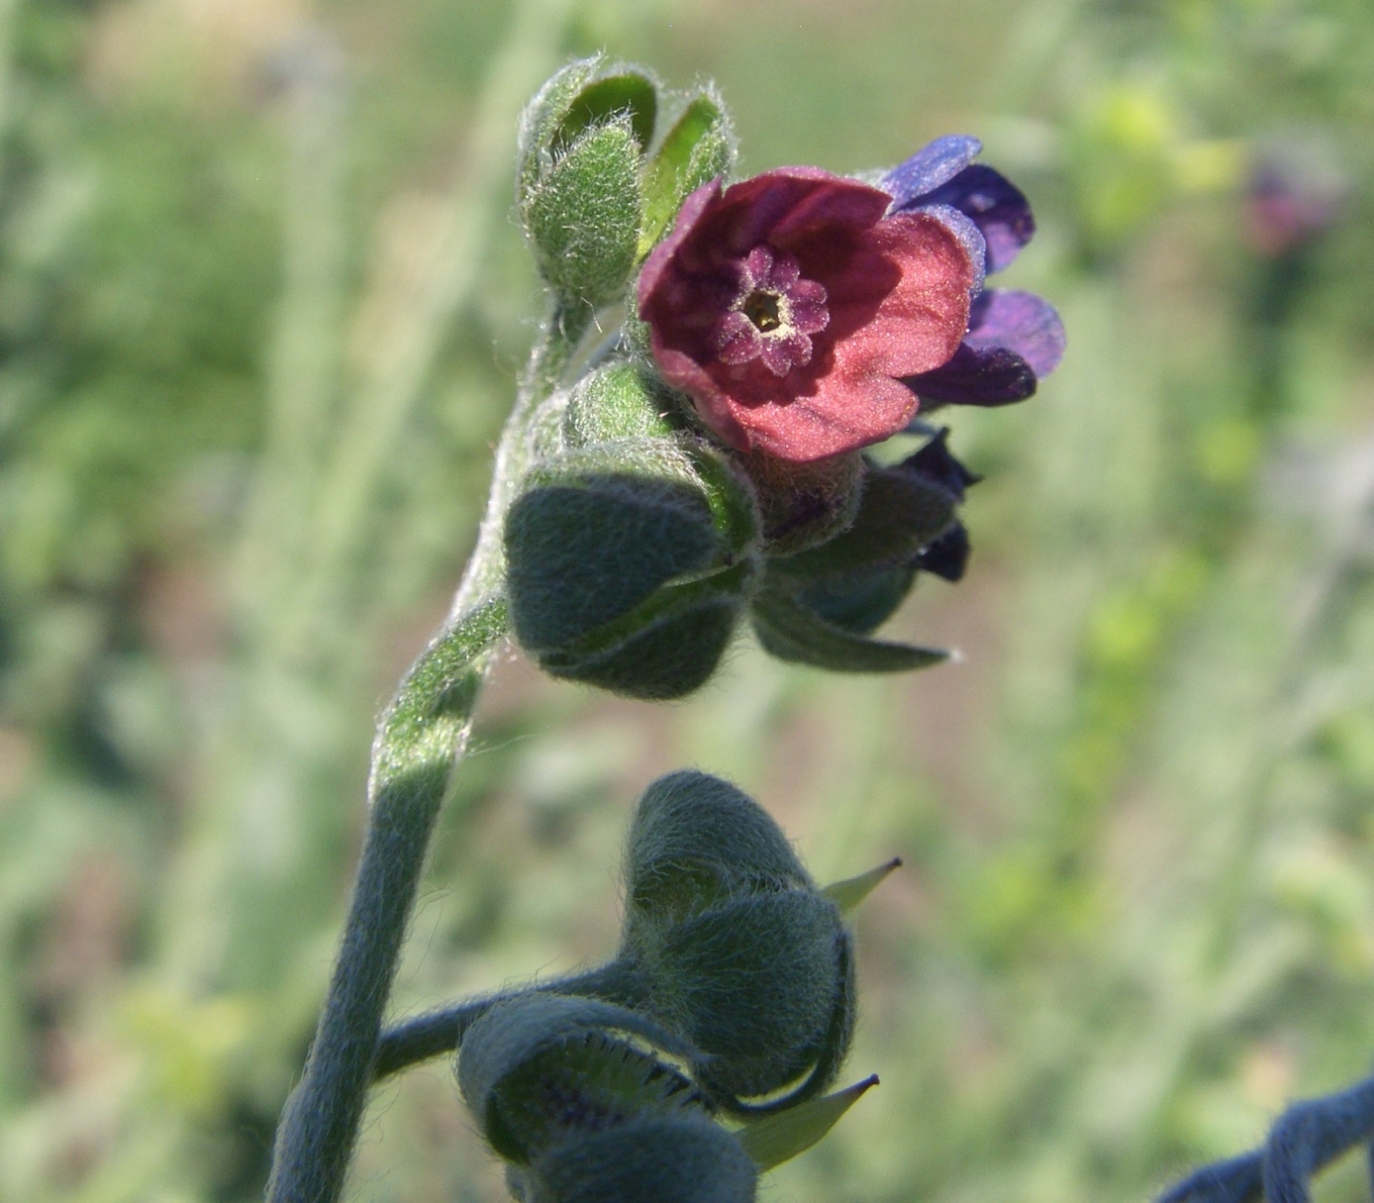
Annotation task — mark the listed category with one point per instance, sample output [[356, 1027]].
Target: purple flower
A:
[[1013, 338], [791, 306]]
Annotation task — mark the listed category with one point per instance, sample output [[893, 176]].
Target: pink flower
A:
[[787, 306]]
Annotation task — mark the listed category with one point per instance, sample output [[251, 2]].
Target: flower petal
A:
[[986, 376], [995, 205], [839, 416], [948, 556], [923, 273], [736, 340], [1021, 322], [969, 235], [934, 164]]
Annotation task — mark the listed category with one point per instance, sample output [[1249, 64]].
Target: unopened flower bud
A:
[[739, 951], [538, 1069], [578, 188], [668, 1159], [629, 564]]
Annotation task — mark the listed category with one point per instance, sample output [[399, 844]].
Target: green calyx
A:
[[818, 604], [741, 955], [807, 505], [629, 563], [582, 217], [540, 1068], [594, 189], [663, 1159], [698, 148]]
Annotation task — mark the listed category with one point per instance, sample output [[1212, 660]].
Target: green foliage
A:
[[1135, 918], [792, 631], [699, 147], [676, 1161], [543, 1068], [621, 571]]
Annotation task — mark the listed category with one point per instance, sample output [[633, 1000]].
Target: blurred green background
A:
[[261, 306]]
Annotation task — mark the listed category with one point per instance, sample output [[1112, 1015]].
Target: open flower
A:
[[1013, 338], [788, 307]]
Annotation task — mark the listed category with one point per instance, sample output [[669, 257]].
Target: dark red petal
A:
[[921, 320], [845, 415]]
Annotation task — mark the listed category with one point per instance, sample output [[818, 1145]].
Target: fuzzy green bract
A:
[[747, 960]]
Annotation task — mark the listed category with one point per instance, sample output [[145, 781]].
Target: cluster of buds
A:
[[709, 464], [731, 1001]]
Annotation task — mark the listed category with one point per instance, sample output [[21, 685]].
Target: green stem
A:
[[441, 1031], [419, 742]]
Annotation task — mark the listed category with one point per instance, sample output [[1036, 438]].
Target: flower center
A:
[[772, 316], [762, 308]]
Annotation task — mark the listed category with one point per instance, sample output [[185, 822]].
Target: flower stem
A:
[[420, 739], [441, 1031]]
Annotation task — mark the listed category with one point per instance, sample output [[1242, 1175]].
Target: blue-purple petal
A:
[[969, 235], [934, 164], [975, 376], [995, 205], [1019, 322]]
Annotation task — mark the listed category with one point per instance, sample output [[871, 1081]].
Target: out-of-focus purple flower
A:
[[1294, 195], [790, 306], [1014, 338]]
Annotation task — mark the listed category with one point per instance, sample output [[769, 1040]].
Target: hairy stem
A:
[[420, 740], [441, 1031]]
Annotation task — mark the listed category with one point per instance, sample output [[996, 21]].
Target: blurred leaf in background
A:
[[261, 305]]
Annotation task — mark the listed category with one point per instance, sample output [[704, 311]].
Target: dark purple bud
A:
[[1020, 322], [948, 556], [936, 463], [994, 204], [934, 164]]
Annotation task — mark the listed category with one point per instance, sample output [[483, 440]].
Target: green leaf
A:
[[666, 647], [699, 147], [857, 602], [629, 93], [789, 631], [594, 534], [512, 1056], [618, 400], [899, 513], [848, 894], [778, 1138]]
